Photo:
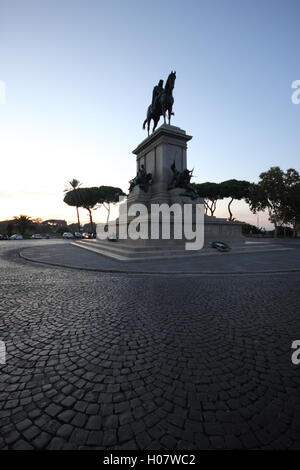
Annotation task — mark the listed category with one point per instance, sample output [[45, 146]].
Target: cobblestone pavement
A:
[[115, 361]]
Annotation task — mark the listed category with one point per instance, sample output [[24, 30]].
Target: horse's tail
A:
[[144, 125]]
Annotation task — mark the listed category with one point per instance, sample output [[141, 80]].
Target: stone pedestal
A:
[[157, 153]]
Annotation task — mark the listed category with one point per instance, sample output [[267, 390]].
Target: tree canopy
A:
[[23, 223], [92, 198], [211, 192], [234, 189], [276, 192]]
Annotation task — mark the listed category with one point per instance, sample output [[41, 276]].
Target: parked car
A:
[[3, 237], [88, 235], [68, 235], [16, 236], [77, 235], [38, 236]]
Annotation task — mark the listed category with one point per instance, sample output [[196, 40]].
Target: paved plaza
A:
[[109, 360]]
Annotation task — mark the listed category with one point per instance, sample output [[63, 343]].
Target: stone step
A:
[[122, 252]]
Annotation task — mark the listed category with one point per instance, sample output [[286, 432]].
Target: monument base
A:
[[215, 229], [158, 155]]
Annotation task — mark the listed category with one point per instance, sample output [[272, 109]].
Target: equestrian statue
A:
[[162, 102]]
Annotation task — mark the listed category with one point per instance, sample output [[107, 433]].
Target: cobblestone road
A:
[[147, 362]]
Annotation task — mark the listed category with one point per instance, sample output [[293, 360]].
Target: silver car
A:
[[68, 235]]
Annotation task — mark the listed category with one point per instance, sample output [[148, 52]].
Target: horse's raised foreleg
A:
[[148, 127]]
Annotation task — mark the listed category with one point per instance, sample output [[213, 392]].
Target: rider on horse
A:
[[156, 94], [162, 102]]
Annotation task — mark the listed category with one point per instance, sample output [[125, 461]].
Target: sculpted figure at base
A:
[[182, 179], [142, 179]]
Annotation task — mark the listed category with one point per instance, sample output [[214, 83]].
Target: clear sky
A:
[[79, 76]]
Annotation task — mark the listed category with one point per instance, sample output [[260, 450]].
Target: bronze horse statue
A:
[[164, 103]]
